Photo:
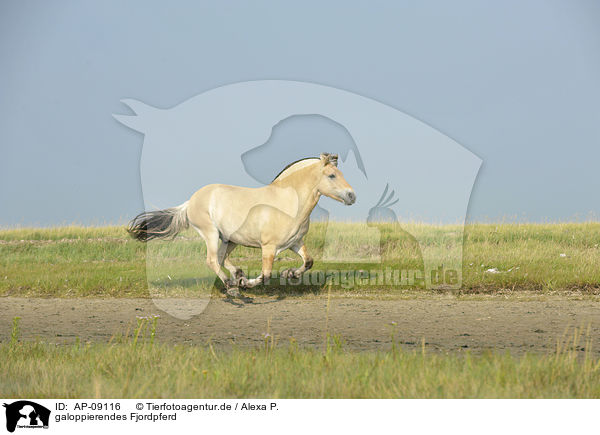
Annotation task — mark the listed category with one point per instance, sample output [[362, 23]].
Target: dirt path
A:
[[446, 325]]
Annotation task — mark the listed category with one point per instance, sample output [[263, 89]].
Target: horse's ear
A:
[[333, 159], [327, 158]]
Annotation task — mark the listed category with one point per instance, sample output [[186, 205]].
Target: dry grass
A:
[[136, 367], [103, 261]]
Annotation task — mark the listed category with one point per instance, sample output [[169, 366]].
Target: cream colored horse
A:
[[274, 217]]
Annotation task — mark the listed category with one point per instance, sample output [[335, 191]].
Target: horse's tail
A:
[[160, 224]]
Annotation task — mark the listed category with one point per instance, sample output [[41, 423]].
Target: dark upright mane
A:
[[292, 164]]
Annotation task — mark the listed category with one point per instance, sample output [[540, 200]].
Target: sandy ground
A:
[[445, 325]]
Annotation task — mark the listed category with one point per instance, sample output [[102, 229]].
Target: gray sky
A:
[[516, 83]]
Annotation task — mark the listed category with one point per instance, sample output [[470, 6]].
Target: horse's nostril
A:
[[351, 196]]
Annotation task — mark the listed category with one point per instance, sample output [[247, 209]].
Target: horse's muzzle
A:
[[350, 198]]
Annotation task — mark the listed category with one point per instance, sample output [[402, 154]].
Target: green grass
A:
[[137, 367], [103, 261]]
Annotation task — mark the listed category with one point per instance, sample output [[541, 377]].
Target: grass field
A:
[[103, 261], [137, 367]]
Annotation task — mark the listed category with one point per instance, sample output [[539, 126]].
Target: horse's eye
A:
[[332, 176]]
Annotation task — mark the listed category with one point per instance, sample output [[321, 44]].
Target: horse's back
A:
[[242, 214], [222, 205], [202, 202]]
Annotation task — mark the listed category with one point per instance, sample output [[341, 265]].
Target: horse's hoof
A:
[[239, 273], [242, 282], [233, 292], [291, 273]]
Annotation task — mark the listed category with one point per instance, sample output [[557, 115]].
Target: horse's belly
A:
[[240, 237], [258, 230]]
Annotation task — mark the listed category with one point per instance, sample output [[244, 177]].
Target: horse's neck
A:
[[307, 202], [304, 183]]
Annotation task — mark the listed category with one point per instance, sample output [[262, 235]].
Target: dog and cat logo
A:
[[25, 414]]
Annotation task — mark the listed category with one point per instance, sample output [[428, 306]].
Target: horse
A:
[[273, 218]]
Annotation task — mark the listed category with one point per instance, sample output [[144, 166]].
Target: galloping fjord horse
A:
[[274, 218]]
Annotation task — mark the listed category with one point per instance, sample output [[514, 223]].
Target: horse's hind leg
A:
[[211, 237], [235, 271]]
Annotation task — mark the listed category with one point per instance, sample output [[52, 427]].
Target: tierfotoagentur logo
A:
[[25, 414], [396, 173]]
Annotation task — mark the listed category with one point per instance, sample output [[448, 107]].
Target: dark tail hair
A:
[[160, 224]]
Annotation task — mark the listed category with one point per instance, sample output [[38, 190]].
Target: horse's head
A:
[[332, 182]]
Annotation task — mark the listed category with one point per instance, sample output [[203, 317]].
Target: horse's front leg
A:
[[268, 255], [299, 249]]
